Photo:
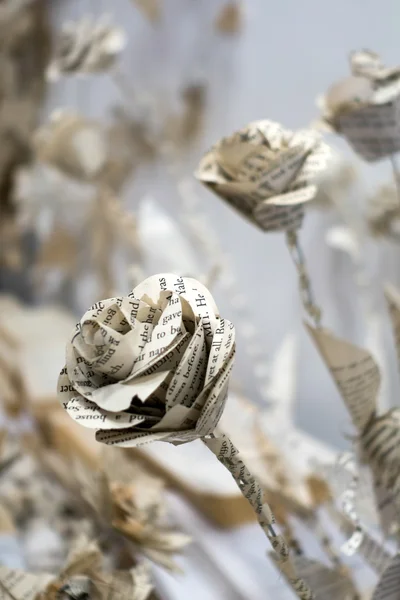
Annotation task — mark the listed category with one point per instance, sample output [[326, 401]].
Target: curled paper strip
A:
[[266, 172], [154, 365], [347, 500], [365, 107], [86, 46]]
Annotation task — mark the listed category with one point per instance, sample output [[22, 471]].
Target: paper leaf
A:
[[388, 587], [354, 371]]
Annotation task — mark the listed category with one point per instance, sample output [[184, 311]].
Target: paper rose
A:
[[154, 365], [86, 46], [365, 107], [266, 172]]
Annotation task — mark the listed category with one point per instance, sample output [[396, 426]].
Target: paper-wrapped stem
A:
[[228, 455], [306, 292]]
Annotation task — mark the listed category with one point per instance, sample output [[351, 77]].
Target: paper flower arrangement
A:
[[365, 108], [266, 172], [86, 46]]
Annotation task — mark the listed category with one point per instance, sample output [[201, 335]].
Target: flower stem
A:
[[228, 455], [306, 292]]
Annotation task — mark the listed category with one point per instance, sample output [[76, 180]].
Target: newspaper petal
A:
[[189, 375], [118, 396], [130, 438], [196, 294], [88, 414], [221, 347]]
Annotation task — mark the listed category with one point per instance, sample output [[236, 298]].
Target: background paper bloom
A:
[[266, 172], [86, 46], [365, 108]]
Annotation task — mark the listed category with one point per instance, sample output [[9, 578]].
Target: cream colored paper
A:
[[266, 173], [86, 46], [327, 583], [19, 585], [388, 587], [73, 144], [365, 107], [366, 63], [151, 366], [354, 371]]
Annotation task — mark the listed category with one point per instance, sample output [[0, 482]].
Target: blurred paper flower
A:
[[365, 63], [229, 18], [151, 366], [383, 213], [365, 107], [86, 46], [73, 144], [266, 172], [125, 499]]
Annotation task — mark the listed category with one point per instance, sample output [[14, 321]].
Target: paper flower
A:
[[154, 365], [86, 46], [266, 172], [73, 144], [365, 107], [365, 63], [383, 213]]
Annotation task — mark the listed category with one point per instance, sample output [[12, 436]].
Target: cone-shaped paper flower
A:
[[154, 365], [86, 46], [365, 108], [266, 172]]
